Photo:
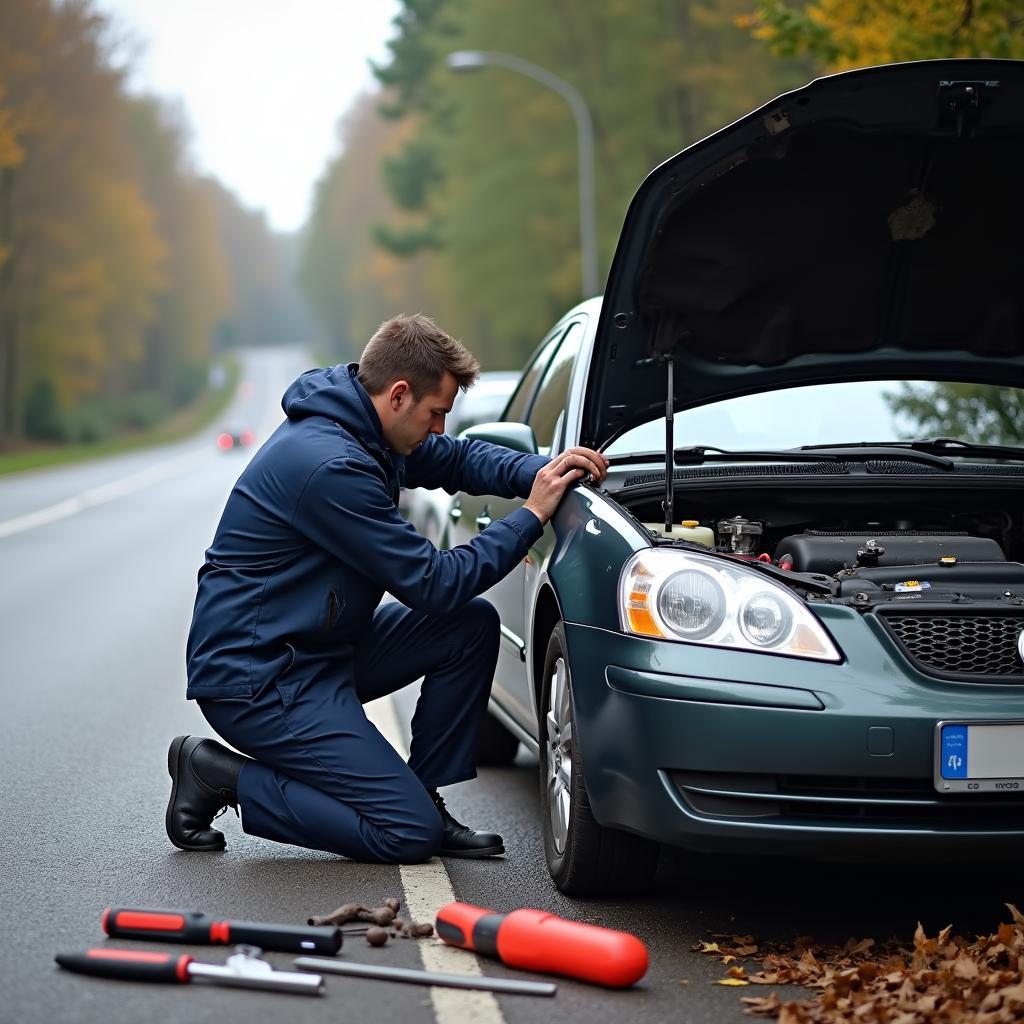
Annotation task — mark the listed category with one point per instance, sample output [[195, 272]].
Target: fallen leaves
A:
[[945, 979]]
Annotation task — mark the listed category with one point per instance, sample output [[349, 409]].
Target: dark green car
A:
[[783, 625]]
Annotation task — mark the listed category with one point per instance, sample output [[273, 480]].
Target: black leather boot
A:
[[462, 841], [204, 781]]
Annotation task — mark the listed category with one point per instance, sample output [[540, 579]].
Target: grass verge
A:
[[203, 411]]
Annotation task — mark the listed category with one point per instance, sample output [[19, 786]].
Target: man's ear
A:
[[399, 394]]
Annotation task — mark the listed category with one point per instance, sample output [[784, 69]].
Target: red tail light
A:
[[224, 441]]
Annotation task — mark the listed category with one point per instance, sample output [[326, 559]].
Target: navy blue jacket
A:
[[311, 538]]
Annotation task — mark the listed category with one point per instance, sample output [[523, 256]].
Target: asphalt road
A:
[[97, 578]]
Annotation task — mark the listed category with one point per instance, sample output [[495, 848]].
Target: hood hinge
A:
[[961, 102]]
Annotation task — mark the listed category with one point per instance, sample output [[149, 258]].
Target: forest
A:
[[473, 217], [123, 273]]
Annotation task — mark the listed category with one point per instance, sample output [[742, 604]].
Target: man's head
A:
[[412, 370]]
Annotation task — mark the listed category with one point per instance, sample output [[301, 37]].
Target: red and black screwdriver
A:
[[200, 929], [243, 970], [536, 941]]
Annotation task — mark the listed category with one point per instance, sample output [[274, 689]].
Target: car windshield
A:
[[841, 413]]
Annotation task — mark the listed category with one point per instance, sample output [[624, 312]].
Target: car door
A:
[[472, 513]]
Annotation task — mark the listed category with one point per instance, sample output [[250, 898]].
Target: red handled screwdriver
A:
[[199, 929], [243, 970], [536, 941]]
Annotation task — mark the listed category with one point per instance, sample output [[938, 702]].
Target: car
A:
[[784, 624], [235, 437], [427, 508]]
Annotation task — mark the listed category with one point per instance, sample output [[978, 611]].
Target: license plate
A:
[[979, 757]]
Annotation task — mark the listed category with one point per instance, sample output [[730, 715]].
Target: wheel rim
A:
[[558, 722]]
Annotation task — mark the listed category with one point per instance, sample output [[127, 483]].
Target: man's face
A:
[[415, 419]]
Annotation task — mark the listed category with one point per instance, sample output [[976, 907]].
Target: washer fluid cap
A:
[[690, 523]]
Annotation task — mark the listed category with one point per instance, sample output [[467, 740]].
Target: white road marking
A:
[[427, 889], [98, 495]]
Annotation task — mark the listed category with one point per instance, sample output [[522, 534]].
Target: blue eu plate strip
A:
[[954, 752]]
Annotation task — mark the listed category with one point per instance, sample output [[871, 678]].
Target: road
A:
[[97, 579]]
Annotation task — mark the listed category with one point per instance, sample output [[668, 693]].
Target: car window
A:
[[519, 406], [554, 388]]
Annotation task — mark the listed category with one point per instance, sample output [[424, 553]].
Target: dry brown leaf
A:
[[708, 947], [942, 980], [736, 972], [761, 1005]]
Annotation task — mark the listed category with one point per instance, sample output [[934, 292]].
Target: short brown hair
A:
[[415, 349]]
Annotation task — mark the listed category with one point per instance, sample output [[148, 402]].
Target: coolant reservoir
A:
[[688, 529]]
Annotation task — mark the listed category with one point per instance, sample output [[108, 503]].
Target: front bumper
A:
[[728, 751]]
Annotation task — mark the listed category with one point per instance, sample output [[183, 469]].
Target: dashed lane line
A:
[[98, 495], [428, 888]]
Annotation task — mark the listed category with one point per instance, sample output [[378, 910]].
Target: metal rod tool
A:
[[416, 977]]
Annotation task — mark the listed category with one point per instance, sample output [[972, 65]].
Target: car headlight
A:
[[678, 595]]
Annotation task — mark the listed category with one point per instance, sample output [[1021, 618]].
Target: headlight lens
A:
[[692, 604], [679, 595]]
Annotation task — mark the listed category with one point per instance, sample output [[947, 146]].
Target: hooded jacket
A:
[[311, 538]]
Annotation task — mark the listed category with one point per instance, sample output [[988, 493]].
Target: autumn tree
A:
[[118, 273], [486, 184], [352, 282], [846, 34]]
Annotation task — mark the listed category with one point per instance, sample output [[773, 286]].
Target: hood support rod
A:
[[670, 483]]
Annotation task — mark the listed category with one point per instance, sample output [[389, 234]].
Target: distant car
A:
[[231, 438], [427, 509], [780, 626]]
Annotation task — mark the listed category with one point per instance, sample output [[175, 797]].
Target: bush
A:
[[43, 420], [88, 423], [188, 382], [141, 410]]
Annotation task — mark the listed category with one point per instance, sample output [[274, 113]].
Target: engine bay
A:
[[863, 546]]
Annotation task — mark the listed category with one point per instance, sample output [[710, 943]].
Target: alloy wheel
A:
[[558, 722]]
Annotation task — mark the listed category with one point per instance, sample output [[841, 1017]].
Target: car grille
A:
[[844, 801], [964, 646]]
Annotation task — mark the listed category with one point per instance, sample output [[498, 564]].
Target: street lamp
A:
[[469, 60]]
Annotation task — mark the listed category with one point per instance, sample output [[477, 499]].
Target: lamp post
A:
[[467, 60]]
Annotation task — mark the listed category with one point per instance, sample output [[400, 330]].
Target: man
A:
[[289, 638]]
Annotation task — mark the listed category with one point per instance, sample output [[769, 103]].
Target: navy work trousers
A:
[[323, 777]]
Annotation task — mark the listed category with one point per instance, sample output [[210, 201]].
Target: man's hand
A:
[[550, 483]]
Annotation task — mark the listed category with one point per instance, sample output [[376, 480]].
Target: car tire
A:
[[584, 858], [496, 746]]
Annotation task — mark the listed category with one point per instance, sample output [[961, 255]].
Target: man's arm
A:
[[345, 507], [476, 467]]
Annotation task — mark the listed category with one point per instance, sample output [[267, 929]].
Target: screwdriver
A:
[[200, 929], [244, 969], [536, 941]]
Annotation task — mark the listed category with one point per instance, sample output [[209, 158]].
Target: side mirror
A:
[[517, 436]]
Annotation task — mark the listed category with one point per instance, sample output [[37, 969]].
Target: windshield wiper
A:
[[934, 446], [697, 454]]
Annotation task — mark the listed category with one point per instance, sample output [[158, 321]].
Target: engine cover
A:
[[822, 552]]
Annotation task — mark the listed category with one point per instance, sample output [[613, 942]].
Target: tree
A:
[[858, 33], [969, 412], [484, 189]]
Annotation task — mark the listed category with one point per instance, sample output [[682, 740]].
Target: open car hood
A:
[[867, 226]]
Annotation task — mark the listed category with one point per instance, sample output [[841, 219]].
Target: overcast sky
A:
[[262, 83]]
